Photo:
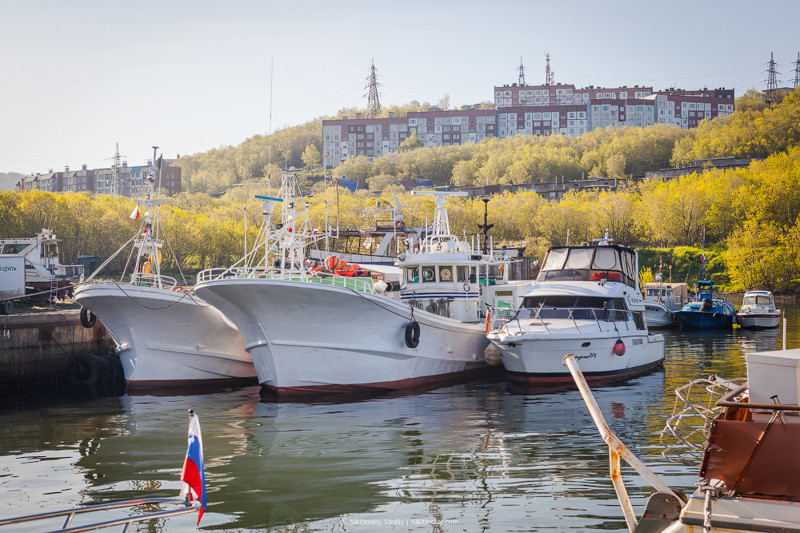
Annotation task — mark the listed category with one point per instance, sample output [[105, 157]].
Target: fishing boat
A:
[[311, 331], [586, 300], [707, 312], [758, 311], [166, 336], [749, 471], [45, 277]]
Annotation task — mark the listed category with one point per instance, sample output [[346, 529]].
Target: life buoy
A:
[[87, 318], [466, 287], [412, 334], [177, 288]]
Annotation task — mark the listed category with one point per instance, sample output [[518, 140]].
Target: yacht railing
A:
[[501, 317], [69, 514]]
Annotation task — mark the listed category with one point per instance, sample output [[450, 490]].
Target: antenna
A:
[[269, 157], [373, 103], [772, 82], [521, 72], [485, 227]]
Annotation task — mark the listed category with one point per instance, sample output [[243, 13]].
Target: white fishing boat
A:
[[45, 277], [662, 300], [312, 332], [586, 301], [166, 337], [758, 311], [749, 469]]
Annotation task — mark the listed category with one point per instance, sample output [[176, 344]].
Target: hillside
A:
[[752, 130]]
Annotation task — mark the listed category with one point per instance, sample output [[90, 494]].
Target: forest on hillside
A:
[[747, 218]]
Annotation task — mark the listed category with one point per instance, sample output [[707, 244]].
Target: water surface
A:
[[471, 457]]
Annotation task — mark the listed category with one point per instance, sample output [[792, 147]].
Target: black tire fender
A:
[[87, 318], [412, 334]]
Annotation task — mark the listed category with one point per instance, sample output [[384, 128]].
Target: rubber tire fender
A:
[[87, 318], [412, 334]]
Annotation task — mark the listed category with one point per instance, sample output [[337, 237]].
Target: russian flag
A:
[[192, 474], [135, 213]]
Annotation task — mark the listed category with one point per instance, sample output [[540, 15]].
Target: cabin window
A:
[[428, 274], [473, 278], [446, 273], [555, 259], [605, 259], [412, 274], [579, 258], [463, 273]]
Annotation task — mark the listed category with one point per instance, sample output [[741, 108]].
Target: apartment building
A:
[[131, 181]]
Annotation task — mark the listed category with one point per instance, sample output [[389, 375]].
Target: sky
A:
[[80, 76]]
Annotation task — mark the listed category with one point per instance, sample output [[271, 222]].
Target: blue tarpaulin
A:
[[425, 183], [348, 184]]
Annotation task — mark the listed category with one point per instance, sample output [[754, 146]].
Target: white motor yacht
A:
[[585, 301], [166, 336], [758, 311], [313, 332]]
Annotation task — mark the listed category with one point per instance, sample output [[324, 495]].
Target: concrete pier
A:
[[51, 351]]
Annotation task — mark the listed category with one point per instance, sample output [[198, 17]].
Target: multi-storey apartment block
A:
[[556, 109], [130, 181]]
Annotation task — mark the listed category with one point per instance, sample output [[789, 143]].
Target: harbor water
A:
[[468, 457]]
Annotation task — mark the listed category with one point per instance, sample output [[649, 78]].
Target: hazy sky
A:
[[188, 76]]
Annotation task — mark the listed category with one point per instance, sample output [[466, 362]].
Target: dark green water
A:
[[471, 457]]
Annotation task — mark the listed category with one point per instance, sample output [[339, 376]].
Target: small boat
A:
[[586, 300], [749, 471], [661, 302], [758, 311], [192, 499], [166, 337], [706, 312], [313, 332], [45, 277]]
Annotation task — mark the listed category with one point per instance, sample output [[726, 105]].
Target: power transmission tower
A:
[[797, 71], [549, 75], [772, 82], [373, 103], [116, 186], [521, 73]]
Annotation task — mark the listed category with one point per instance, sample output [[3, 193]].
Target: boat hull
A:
[[308, 338], [759, 321], [167, 339], [658, 316], [537, 360], [703, 320]]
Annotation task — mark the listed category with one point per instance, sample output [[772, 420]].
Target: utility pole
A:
[[521, 73], [797, 71], [772, 82], [373, 103]]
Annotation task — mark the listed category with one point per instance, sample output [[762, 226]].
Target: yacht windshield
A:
[[756, 300], [590, 263], [577, 308]]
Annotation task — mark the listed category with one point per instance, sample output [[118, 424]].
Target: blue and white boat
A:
[[706, 311]]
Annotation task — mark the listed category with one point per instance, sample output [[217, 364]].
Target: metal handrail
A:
[[70, 514], [727, 401], [616, 449], [154, 280]]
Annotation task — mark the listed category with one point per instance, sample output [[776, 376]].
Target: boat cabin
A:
[[758, 299], [672, 295], [609, 262]]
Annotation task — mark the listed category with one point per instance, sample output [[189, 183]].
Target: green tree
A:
[[311, 157]]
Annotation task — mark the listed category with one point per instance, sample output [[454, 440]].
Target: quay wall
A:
[[52, 351]]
